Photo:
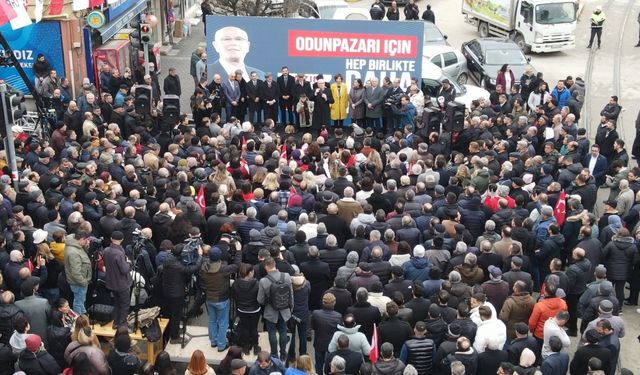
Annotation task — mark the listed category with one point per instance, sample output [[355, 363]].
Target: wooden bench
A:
[[152, 347]]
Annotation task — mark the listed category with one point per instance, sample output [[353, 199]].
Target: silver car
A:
[[449, 59]]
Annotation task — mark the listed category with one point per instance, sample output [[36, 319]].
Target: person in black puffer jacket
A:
[[174, 280], [7, 311], [7, 360], [245, 293], [59, 337], [620, 255]]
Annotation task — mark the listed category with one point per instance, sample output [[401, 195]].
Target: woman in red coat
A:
[[505, 78]]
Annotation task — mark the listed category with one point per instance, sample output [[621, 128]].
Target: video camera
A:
[[189, 254], [234, 239], [393, 100]]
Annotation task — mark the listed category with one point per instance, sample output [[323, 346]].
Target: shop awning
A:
[[112, 28]]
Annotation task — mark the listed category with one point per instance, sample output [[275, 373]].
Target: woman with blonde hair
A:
[[463, 174], [339, 106], [376, 159], [303, 366], [222, 177], [258, 178], [85, 343], [82, 322], [198, 365], [270, 183]]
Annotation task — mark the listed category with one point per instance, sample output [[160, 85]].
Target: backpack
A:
[[279, 293]]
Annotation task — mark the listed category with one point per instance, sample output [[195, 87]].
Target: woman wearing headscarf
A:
[[615, 223]]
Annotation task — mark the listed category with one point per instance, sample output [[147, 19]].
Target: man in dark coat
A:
[[398, 284], [285, 100], [324, 323], [580, 362], [365, 314], [322, 98], [353, 360], [172, 83], [319, 275], [394, 330], [174, 278], [557, 363], [578, 274], [118, 278], [269, 97], [336, 225]]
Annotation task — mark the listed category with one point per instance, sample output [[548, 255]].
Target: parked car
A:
[[432, 77], [450, 59], [433, 35], [331, 10], [485, 57]]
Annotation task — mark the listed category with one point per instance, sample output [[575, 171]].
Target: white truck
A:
[[535, 25]]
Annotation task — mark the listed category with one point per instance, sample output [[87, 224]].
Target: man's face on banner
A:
[[232, 44]]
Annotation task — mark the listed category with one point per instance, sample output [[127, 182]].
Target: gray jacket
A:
[[36, 309], [357, 340], [375, 97], [264, 286]]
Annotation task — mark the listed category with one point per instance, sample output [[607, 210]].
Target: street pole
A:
[[146, 57], [9, 147]]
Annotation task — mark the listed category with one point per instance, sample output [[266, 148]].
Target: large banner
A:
[[39, 38], [355, 49]]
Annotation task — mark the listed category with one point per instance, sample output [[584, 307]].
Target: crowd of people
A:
[[394, 248]]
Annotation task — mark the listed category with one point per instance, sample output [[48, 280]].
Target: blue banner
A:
[[27, 43], [355, 49]]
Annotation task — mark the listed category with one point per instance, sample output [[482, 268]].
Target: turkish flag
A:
[[55, 7], [374, 354], [560, 210], [6, 12], [200, 199]]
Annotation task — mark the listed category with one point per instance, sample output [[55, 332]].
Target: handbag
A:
[[152, 332], [100, 313]]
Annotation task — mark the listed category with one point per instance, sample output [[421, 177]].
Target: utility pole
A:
[[9, 146]]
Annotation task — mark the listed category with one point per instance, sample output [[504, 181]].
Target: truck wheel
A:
[[519, 39], [483, 29]]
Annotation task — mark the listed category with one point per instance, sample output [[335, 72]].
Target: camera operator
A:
[[405, 113], [141, 251], [175, 279], [229, 244], [118, 278], [215, 280]]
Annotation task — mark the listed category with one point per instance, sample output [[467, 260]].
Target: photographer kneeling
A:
[[215, 278]]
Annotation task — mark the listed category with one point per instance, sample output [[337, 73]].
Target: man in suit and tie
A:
[[285, 101], [301, 86], [597, 165], [269, 97], [373, 100], [232, 44], [253, 98], [231, 94]]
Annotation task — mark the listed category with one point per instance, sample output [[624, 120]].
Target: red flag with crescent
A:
[[200, 199]]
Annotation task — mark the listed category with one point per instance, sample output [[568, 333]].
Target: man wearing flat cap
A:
[[118, 278]]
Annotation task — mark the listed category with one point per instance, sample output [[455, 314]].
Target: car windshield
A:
[[547, 14], [504, 56], [327, 11], [432, 34]]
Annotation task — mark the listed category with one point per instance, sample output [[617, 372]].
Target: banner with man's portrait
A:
[[355, 49]]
